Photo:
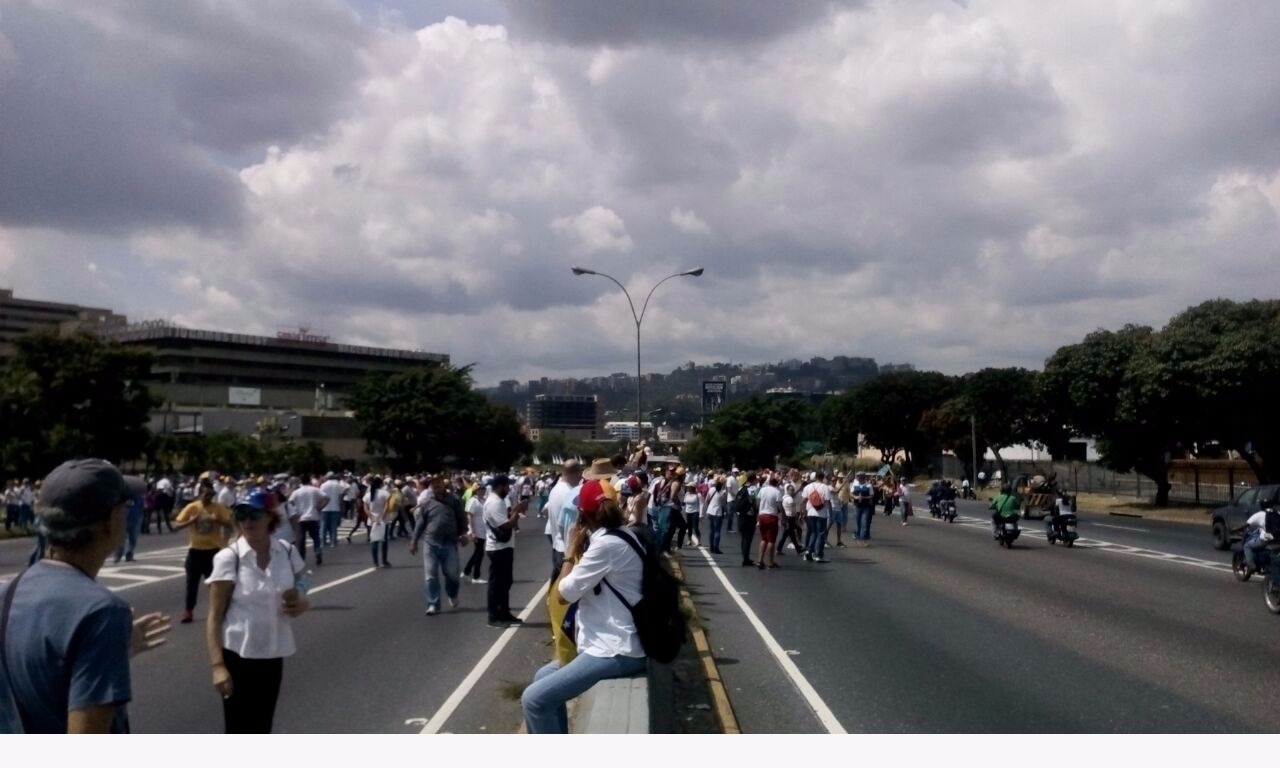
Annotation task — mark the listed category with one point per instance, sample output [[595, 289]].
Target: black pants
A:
[[501, 575], [746, 532], [675, 524], [790, 532], [477, 560], [199, 566], [162, 510], [255, 688], [557, 562], [311, 528]]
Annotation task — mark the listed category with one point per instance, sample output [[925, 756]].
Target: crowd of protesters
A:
[[248, 543]]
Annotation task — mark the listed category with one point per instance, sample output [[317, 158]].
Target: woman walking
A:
[[375, 508], [255, 591], [715, 513]]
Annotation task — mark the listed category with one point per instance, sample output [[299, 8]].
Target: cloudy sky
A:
[[943, 182]]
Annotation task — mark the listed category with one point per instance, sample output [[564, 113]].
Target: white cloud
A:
[[928, 182], [688, 221], [595, 230]]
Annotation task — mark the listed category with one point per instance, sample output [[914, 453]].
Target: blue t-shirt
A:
[[68, 647]]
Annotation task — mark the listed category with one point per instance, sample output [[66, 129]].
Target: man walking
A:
[[864, 505], [306, 503], [475, 521], [443, 524], [66, 640], [210, 524], [817, 502], [499, 545], [769, 502], [744, 508], [562, 493]]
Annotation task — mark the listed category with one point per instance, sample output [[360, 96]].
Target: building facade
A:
[[19, 317], [576, 416]]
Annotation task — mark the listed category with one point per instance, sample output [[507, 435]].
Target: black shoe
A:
[[747, 563], [498, 624], [761, 566], [716, 552], [774, 565], [128, 558]]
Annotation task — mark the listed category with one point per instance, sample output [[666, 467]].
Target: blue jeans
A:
[[815, 536], [659, 521], [865, 515], [717, 523], [553, 686], [133, 527], [438, 559], [329, 528]]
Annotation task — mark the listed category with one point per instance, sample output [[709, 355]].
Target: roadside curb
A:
[[724, 710]]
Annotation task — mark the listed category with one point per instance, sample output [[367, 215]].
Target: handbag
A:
[[378, 532], [501, 534]]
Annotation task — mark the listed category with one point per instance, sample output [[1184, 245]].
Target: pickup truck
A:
[[1227, 519]]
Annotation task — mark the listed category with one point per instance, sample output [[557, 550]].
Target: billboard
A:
[[244, 396], [713, 393]]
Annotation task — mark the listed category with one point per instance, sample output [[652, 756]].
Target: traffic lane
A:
[[942, 631], [368, 658], [14, 553], [1184, 539], [764, 699]]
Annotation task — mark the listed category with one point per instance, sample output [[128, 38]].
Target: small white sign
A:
[[244, 396]]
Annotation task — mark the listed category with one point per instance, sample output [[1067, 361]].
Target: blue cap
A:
[[256, 503]]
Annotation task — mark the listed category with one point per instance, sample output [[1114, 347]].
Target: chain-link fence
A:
[[1189, 483]]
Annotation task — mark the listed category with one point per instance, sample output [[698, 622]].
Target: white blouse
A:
[[605, 625], [256, 626]]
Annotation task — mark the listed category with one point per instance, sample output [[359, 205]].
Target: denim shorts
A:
[[839, 515]]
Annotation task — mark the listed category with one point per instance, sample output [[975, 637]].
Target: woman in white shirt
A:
[[375, 507], [602, 569], [904, 498], [692, 511], [256, 588], [715, 513]]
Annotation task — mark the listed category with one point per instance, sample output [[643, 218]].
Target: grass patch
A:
[[511, 691]]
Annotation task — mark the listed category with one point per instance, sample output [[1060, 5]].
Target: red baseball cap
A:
[[589, 498]]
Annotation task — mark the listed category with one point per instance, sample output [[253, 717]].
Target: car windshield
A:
[[1247, 498]]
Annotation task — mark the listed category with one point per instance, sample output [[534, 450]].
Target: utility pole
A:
[[973, 447]]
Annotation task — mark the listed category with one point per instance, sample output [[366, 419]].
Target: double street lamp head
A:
[[688, 273]]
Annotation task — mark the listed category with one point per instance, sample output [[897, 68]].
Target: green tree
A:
[[752, 433], [948, 427], [1216, 365], [889, 409], [837, 417], [432, 417], [1006, 404], [1107, 386], [64, 397]]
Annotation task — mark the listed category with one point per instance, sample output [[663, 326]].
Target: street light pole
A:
[[973, 446], [638, 318]]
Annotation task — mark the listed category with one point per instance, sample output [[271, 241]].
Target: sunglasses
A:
[[249, 513]]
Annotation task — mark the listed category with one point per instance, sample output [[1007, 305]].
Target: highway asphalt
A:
[[1139, 628], [934, 628]]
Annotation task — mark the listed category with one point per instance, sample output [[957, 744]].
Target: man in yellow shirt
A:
[[211, 525]]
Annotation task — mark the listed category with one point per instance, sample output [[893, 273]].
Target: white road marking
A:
[[819, 707], [442, 715], [343, 580], [1121, 527], [1107, 546]]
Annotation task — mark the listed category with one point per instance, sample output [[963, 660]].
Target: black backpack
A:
[[742, 502], [657, 615]]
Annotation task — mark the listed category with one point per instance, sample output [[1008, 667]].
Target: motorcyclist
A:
[[932, 495], [1005, 507], [1061, 514], [1260, 530], [947, 492]]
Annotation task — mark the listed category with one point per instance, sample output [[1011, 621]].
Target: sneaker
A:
[[821, 560], [432, 610], [128, 558], [386, 565], [498, 624], [453, 601], [747, 563], [774, 565], [513, 620], [808, 557], [479, 581], [761, 566], [186, 617], [840, 545]]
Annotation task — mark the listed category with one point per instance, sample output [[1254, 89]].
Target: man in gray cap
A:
[[65, 640]]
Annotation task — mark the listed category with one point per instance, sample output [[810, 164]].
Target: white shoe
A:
[[432, 610], [479, 581], [453, 603]]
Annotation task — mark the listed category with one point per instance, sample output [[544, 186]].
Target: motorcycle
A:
[[1240, 567], [1271, 587], [935, 508], [948, 510], [967, 493], [1062, 528], [1006, 531]]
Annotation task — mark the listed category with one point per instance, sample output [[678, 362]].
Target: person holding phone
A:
[[500, 546]]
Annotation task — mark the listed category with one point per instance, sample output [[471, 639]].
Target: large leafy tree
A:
[[1109, 386], [1006, 404], [755, 432], [949, 427], [64, 397], [432, 417], [838, 421], [889, 409], [1216, 366]]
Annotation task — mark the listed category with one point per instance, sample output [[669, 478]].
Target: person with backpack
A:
[[817, 501], [255, 591], [744, 507], [790, 520], [605, 573], [864, 509]]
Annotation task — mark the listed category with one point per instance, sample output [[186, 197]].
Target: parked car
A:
[[1227, 519]]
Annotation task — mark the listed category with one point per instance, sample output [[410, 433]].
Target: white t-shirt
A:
[[350, 491], [333, 492], [770, 500], [475, 516], [495, 515], [788, 501], [561, 495], [824, 491], [605, 626], [377, 501], [692, 502], [715, 502], [255, 626], [307, 501], [226, 497]]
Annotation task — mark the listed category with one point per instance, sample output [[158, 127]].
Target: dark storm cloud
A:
[[592, 22], [119, 115]]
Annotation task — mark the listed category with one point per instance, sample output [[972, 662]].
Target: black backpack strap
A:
[[4, 653], [639, 550]]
